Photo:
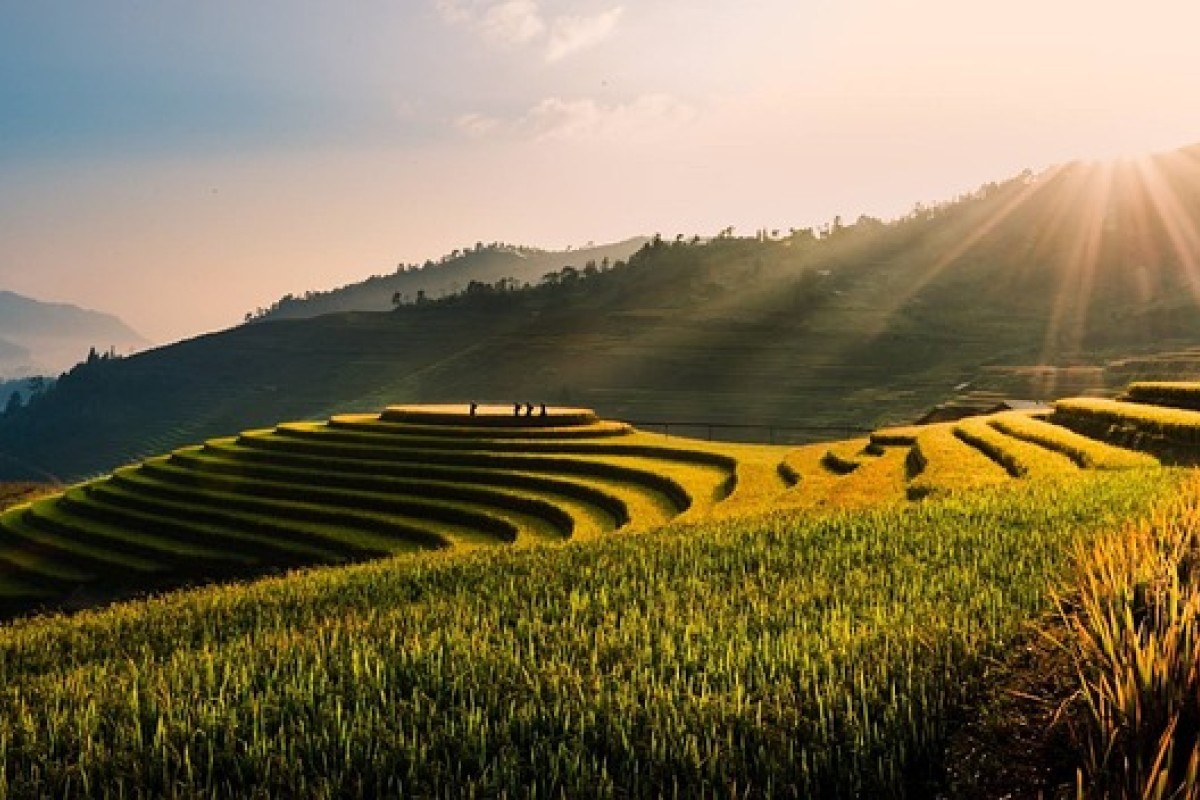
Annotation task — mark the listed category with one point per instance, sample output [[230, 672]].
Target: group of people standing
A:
[[519, 409]]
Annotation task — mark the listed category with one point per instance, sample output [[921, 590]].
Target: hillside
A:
[[813, 621], [38, 338], [1074, 280], [453, 274]]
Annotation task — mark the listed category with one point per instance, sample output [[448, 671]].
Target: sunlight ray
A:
[[1180, 228], [937, 267], [1067, 326]]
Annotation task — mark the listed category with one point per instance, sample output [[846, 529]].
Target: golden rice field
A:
[[554, 604]]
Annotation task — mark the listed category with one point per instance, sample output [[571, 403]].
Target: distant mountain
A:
[[10, 352], [1037, 286], [46, 338], [453, 274]]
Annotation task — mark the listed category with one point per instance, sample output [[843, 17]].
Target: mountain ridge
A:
[[48, 337], [453, 273]]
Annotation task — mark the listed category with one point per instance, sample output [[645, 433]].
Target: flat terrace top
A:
[[491, 416]]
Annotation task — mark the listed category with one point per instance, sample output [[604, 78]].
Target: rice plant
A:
[[1086, 452], [1133, 624], [785, 654]]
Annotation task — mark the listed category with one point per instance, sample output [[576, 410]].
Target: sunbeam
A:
[[1171, 213], [1067, 325]]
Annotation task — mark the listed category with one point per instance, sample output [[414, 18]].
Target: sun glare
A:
[[1134, 198]]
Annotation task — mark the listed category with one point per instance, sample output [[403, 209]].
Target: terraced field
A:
[[353, 488], [417, 478], [771, 642]]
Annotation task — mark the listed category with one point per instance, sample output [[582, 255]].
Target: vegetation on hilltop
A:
[[493, 263]]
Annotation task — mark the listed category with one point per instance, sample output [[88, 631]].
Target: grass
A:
[[782, 654], [1133, 633]]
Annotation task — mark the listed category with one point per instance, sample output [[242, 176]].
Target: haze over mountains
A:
[[39, 338], [1041, 285]]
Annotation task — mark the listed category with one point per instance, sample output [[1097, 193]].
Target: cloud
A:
[[554, 119], [476, 125], [517, 23], [571, 34], [503, 23], [513, 22], [453, 11], [649, 116]]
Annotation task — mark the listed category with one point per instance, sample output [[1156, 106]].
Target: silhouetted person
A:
[[543, 412], [516, 409], [474, 406], [529, 409]]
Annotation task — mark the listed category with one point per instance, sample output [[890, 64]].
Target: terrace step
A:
[[364, 532], [369, 459], [57, 517], [1018, 457], [412, 508], [1087, 453], [940, 462], [384, 489], [1169, 394], [16, 531], [490, 416], [390, 427], [611, 446], [263, 539]]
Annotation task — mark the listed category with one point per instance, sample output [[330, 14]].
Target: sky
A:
[[181, 163]]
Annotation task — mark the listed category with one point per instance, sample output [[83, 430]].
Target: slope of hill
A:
[[453, 274], [1021, 286], [430, 477], [38, 338], [747, 644]]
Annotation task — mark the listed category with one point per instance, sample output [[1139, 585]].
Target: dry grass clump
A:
[[1134, 634]]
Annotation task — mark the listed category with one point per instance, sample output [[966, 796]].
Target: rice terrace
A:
[[493, 601]]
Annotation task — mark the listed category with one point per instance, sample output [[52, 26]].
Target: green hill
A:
[[1076, 279]]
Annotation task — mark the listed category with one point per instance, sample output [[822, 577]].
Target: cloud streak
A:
[[648, 117], [511, 24], [572, 34]]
